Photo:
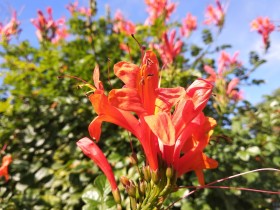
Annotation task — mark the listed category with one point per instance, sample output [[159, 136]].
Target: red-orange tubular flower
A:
[[91, 150], [176, 137], [6, 161]]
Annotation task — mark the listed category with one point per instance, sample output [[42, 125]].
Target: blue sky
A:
[[236, 32]]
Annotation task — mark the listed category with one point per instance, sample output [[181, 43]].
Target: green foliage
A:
[[207, 36], [42, 117], [97, 196]]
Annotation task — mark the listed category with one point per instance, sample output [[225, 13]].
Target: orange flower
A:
[[162, 133], [91, 150], [6, 161]]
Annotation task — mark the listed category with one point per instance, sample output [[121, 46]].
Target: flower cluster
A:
[[157, 8], [123, 26], [48, 28], [168, 122], [170, 47], [226, 90], [264, 27], [215, 15], [73, 8], [189, 25], [11, 28]]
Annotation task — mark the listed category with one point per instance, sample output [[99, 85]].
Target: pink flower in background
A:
[[48, 28], [189, 24], [169, 48], [215, 15], [156, 8], [73, 7], [123, 26], [234, 92], [124, 47], [213, 75], [264, 27], [11, 28], [226, 62]]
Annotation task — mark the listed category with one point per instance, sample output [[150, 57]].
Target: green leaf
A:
[[97, 196], [207, 36], [243, 155], [254, 150]]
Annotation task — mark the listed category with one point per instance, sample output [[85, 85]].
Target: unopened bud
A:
[[169, 172], [155, 176], [146, 173], [131, 190], [133, 159], [125, 181], [142, 188]]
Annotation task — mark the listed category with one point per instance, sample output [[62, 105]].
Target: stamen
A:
[[79, 79], [142, 48], [72, 77]]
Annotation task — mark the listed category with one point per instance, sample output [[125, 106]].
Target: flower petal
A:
[[6, 161], [196, 98], [107, 112], [162, 127], [127, 72], [148, 80], [168, 97], [126, 99]]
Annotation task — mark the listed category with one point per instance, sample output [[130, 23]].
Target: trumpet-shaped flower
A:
[[233, 91], [91, 150], [48, 28], [226, 62], [11, 28], [170, 48], [264, 27], [172, 136], [157, 8], [6, 161], [123, 26], [215, 15], [73, 8], [189, 24]]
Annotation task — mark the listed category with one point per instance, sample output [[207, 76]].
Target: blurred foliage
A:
[[42, 117]]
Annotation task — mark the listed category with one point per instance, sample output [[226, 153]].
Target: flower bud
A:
[[131, 189], [146, 173], [155, 176], [125, 181], [133, 159], [169, 172], [142, 187]]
